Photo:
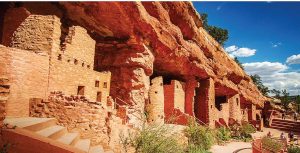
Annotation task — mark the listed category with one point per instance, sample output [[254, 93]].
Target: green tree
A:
[[276, 93], [285, 101], [238, 62], [258, 82], [220, 34]]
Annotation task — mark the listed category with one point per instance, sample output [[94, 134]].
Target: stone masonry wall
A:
[[91, 119], [224, 113], [235, 108], [155, 106], [4, 94], [28, 76], [179, 95], [37, 33], [68, 68], [12, 20], [168, 101], [205, 102], [190, 86], [79, 45], [73, 66]]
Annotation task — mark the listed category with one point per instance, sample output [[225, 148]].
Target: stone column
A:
[[131, 69], [155, 106], [252, 112], [190, 85], [205, 102], [235, 108]]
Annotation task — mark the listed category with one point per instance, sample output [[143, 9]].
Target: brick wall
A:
[[155, 107], [28, 77]]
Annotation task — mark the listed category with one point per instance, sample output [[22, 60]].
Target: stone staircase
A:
[[47, 127], [286, 125]]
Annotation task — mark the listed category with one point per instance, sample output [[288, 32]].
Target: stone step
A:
[[83, 144], [96, 149], [31, 123], [285, 125], [285, 129], [53, 132], [286, 121], [69, 138], [289, 123]]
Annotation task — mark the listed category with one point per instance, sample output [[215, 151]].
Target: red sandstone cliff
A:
[[134, 34]]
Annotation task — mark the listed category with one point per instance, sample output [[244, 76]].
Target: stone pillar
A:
[[155, 106], [252, 112], [131, 89], [190, 85], [235, 108], [130, 81], [205, 102]]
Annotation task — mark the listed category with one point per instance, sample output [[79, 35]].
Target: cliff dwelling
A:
[[97, 69]]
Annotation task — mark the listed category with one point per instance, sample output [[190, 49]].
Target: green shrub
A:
[[242, 132], [152, 139], [200, 136], [271, 144], [196, 149], [247, 129], [293, 149], [223, 134]]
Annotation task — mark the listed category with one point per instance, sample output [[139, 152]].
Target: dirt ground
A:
[[245, 147]]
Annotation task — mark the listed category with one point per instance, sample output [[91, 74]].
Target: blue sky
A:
[[264, 36]]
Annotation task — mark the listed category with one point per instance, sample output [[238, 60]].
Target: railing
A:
[[271, 118], [135, 110], [127, 105]]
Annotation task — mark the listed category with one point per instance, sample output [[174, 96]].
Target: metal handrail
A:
[[125, 106], [195, 119], [142, 119]]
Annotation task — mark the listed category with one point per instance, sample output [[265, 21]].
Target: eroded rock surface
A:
[[130, 33]]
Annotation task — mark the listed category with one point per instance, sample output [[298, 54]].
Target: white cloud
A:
[[275, 76], [274, 45], [294, 59], [240, 52], [231, 48]]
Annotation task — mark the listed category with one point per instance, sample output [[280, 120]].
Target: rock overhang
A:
[[173, 33]]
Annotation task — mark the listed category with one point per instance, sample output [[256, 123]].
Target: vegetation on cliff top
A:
[[220, 34]]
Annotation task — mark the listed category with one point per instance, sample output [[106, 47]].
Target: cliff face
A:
[[138, 39]]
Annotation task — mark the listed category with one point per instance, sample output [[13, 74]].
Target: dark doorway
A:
[[99, 96], [80, 90], [219, 101]]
